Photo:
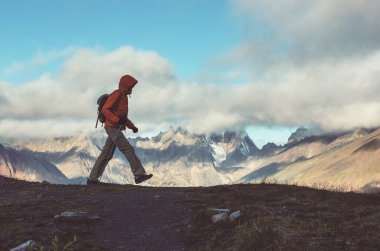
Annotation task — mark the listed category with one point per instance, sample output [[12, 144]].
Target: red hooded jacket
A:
[[113, 112]]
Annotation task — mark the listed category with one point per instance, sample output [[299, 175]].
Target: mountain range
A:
[[348, 160]]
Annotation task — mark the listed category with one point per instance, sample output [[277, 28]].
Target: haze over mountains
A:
[[180, 158]]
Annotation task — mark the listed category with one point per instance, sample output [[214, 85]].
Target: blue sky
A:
[[207, 65], [188, 33]]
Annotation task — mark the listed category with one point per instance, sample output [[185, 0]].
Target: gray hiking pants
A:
[[115, 139]]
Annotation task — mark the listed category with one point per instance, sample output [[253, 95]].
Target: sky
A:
[[267, 67]]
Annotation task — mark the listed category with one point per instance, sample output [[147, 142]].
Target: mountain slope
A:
[[180, 158], [24, 165], [350, 160], [75, 157], [355, 165]]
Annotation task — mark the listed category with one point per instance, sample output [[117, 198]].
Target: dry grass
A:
[[283, 217], [274, 217]]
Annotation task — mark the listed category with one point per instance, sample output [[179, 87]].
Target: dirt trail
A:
[[132, 217], [143, 220], [274, 217]]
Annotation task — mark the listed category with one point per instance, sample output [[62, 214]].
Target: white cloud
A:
[[70, 95], [316, 28], [330, 94], [43, 128], [41, 59], [317, 63]]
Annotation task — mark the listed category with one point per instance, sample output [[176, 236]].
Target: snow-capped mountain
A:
[[299, 135], [22, 164], [180, 158], [75, 156], [231, 148], [176, 157]]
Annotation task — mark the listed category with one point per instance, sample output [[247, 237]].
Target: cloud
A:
[[315, 29], [70, 94], [329, 94], [81, 79], [43, 128], [39, 60], [311, 63]]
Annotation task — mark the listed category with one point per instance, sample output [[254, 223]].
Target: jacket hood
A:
[[126, 82]]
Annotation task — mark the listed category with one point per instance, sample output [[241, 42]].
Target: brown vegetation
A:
[[274, 217]]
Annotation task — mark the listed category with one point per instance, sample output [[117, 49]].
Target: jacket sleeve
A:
[[129, 124], [107, 108]]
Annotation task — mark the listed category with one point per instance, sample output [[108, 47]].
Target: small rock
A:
[[25, 246], [220, 210], [219, 217], [235, 215], [73, 215], [44, 182]]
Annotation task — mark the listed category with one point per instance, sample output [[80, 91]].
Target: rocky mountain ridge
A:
[[180, 158], [22, 164]]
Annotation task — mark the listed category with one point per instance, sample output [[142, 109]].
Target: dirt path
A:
[[132, 217], [274, 217], [143, 220]]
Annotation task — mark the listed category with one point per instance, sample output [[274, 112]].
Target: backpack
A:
[[101, 101]]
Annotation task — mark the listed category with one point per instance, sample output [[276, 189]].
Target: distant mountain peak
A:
[[300, 134], [178, 136]]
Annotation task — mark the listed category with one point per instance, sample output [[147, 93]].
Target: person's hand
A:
[[135, 129]]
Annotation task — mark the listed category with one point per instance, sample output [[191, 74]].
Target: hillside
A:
[[179, 158], [350, 161], [22, 164], [146, 218]]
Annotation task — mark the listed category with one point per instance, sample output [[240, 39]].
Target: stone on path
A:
[[76, 215], [25, 246], [219, 217]]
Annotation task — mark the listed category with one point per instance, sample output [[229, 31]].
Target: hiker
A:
[[115, 111]]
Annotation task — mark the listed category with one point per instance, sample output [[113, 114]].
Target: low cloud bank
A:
[[332, 96]]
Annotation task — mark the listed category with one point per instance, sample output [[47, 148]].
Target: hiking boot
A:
[[93, 182], [142, 178]]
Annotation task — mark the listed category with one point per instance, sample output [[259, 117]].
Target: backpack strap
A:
[[118, 99]]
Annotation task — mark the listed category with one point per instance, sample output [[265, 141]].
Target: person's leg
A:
[[127, 149], [101, 162]]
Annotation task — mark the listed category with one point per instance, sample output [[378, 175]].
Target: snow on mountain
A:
[[177, 157], [231, 148], [219, 153], [75, 156], [24, 165], [180, 158]]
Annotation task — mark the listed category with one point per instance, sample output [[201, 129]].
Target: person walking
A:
[[115, 111]]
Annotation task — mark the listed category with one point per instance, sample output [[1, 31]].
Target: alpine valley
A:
[[349, 161]]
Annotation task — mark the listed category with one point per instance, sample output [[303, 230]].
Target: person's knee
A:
[[127, 150]]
